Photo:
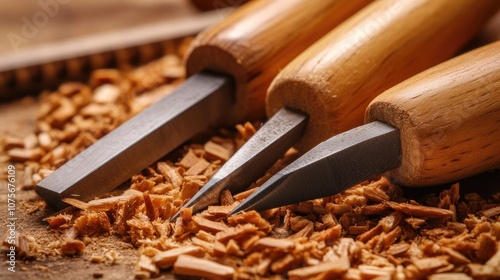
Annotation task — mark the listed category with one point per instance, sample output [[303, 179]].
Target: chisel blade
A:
[[331, 167], [251, 161], [192, 107]]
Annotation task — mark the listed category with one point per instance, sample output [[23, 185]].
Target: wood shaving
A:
[[420, 211], [208, 225], [72, 246], [189, 265], [25, 246], [146, 266], [326, 269], [216, 151], [167, 258]]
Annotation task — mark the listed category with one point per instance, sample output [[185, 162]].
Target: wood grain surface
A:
[[382, 45], [256, 42], [448, 117]]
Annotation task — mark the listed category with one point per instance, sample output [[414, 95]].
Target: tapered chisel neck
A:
[[191, 108], [250, 162], [339, 163]]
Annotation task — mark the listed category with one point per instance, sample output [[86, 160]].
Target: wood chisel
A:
[[439, 126], [245, 52], [326, 89]]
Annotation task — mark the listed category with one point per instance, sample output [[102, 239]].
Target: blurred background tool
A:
[[250, 47], [326, 89], [48, 42], [436, 127]]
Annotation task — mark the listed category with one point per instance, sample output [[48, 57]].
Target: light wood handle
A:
[[449, 118], [259, 39], [383, 44]]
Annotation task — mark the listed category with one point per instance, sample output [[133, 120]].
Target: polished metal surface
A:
[[331, 167], [195, 105], [251, 161]]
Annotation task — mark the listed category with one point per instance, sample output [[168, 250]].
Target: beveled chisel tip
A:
[[53, 198], [329, 168], [175, 216], [252, 160], [208, 195], [263, 198]]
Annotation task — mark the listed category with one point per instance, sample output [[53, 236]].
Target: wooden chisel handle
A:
[[388, 41], [449, 119], [259, 39]]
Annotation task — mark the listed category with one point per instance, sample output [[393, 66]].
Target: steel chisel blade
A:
[[251, 161], [192, 107], [331, 167]]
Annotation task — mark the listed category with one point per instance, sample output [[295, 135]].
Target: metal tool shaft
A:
[[140, 141], [331, 167]]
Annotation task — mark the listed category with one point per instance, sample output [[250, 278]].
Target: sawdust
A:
[[371, 231]]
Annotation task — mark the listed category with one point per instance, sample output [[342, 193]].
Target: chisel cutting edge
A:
[[326, 89], [436, 127], [250, 46]]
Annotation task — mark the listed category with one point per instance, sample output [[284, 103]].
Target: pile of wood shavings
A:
[[368, 232], [76, 115]]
